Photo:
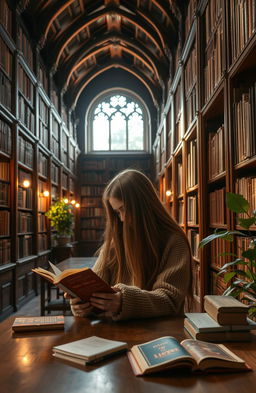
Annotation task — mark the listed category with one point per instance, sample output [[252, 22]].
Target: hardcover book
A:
[[205, 324], [216, 336], [82, 282], [167, 353], [226, 310], [89, 350], [38, 323]]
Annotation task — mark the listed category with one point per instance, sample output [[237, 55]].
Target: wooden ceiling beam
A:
[[74, 92]]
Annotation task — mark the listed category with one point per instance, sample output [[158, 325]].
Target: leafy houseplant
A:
[[62, 219], [241, 272]]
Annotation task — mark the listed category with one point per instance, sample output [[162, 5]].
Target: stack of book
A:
[[225, 319]]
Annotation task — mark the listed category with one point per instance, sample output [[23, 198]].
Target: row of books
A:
[[245, 119], [5, 251], [213, 68], [25, 222], [43, 133], [97, 222], [218, 247], [41, 223], [25, 198], [91, 234], [225, 319], [4, 223], [213, 13], [180, 217], [193, 237], [25, 47], [5, 90], [25, 246], [4, 170], [246, 186], [217, 283], [217, 207], [6, 16], [91, 211], [216, 153], [26, 114], [243, 24], [42, 203], [25, 85], [25, 152], [42, 242], [42, 164], [92, 190], [5, 58], [192, 163], [192, 211], [5, 138], [4, 194], [191, 106]]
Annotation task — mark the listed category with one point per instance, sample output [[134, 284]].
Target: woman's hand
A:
[[78, 309], [109, 303]]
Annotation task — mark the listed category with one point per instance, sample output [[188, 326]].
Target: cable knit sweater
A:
[[168, 291]]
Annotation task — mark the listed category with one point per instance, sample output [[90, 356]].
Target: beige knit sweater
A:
[[168, 291]]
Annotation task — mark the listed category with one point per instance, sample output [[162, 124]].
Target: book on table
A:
[[82, 282], [218, 335], [167, 353], [204, 323], [38, 323], [89, 350], [226, 310]]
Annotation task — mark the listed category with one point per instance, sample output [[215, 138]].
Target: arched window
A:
[[117, 122]]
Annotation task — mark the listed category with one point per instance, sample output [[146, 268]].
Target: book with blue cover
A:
[[167, 353]]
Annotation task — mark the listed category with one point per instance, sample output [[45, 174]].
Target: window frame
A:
[[89, 122]]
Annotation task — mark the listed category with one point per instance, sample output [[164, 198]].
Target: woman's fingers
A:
[[107, 302]]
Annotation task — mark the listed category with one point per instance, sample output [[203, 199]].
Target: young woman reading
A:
[[145, 255]]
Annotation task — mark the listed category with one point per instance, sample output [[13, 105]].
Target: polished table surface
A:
[[27, 364]]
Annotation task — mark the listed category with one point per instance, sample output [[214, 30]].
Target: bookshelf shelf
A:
[[28, 140], [219, 81]]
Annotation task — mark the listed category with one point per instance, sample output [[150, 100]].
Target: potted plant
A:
[[241, 272], [61, 215]]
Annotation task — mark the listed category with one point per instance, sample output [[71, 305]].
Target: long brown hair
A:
[[135, 246]]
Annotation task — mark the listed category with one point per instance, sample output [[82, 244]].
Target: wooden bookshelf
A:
[[37, 146], [210, 104]]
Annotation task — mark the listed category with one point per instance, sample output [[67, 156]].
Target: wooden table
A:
[[47, 303], [27, 364]]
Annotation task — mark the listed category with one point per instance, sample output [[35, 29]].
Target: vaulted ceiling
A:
[[81, 39]]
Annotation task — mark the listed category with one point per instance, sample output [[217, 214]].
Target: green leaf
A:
[[247, 222], [250, 253], [237, 261], [237, 203], [228, 276]]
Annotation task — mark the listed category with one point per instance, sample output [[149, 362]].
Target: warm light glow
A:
[[77, 205], [168, 193], [46, 193], [66, 200], [73, 202], [26, 183]]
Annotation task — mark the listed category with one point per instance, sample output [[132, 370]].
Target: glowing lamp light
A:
[[73, 202], [46, 193], [26, 183], [66, 200], [168, 193], [77, 205]]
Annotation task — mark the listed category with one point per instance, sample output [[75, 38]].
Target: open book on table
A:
[[82, 282], [167, 353]]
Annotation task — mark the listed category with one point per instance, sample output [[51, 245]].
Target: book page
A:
[[201, 350], [55, 269]]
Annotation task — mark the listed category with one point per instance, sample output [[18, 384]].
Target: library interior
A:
[[91, 88]]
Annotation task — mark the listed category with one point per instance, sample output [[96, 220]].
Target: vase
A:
[[63, 240]]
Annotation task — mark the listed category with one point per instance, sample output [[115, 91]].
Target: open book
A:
[[89, 350], [167, 353], [82, 282]]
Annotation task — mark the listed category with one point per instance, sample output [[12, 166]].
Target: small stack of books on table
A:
[[225, 319]]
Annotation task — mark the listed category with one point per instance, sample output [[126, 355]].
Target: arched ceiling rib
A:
[[79, 39]]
